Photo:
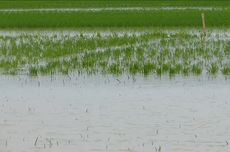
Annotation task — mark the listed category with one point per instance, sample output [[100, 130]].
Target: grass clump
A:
[[214, 69], [226, 70], [33, 71]]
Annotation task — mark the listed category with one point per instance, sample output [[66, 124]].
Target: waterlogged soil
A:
[[90, 114]]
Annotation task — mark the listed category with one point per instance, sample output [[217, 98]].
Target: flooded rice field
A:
[[114, 76], [95, 113], [132, 52], [114, 90]]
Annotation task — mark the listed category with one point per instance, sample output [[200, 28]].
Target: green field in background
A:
[[120, 18], [108, 3], [163, 18]]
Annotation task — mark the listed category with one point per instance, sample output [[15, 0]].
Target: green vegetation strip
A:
[[109, 3], [158, 52], [165, 18]]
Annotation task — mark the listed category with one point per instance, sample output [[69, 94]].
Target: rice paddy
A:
[[114, 17], [114, 75], [117, 37], [153, 52], [110, 14]]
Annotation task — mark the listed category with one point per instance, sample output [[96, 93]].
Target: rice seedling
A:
[[213, 69], [33, 71], [226, 70]]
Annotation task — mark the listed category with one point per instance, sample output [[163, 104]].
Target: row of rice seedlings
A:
[[149, 53], [119, 61], [35, 48], [49, 47]]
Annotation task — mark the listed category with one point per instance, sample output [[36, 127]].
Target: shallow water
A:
[[109, 9], [114, 114]]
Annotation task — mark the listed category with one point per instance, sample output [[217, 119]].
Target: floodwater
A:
[[87, 114]]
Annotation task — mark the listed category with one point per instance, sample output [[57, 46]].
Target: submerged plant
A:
[[226, 70]]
